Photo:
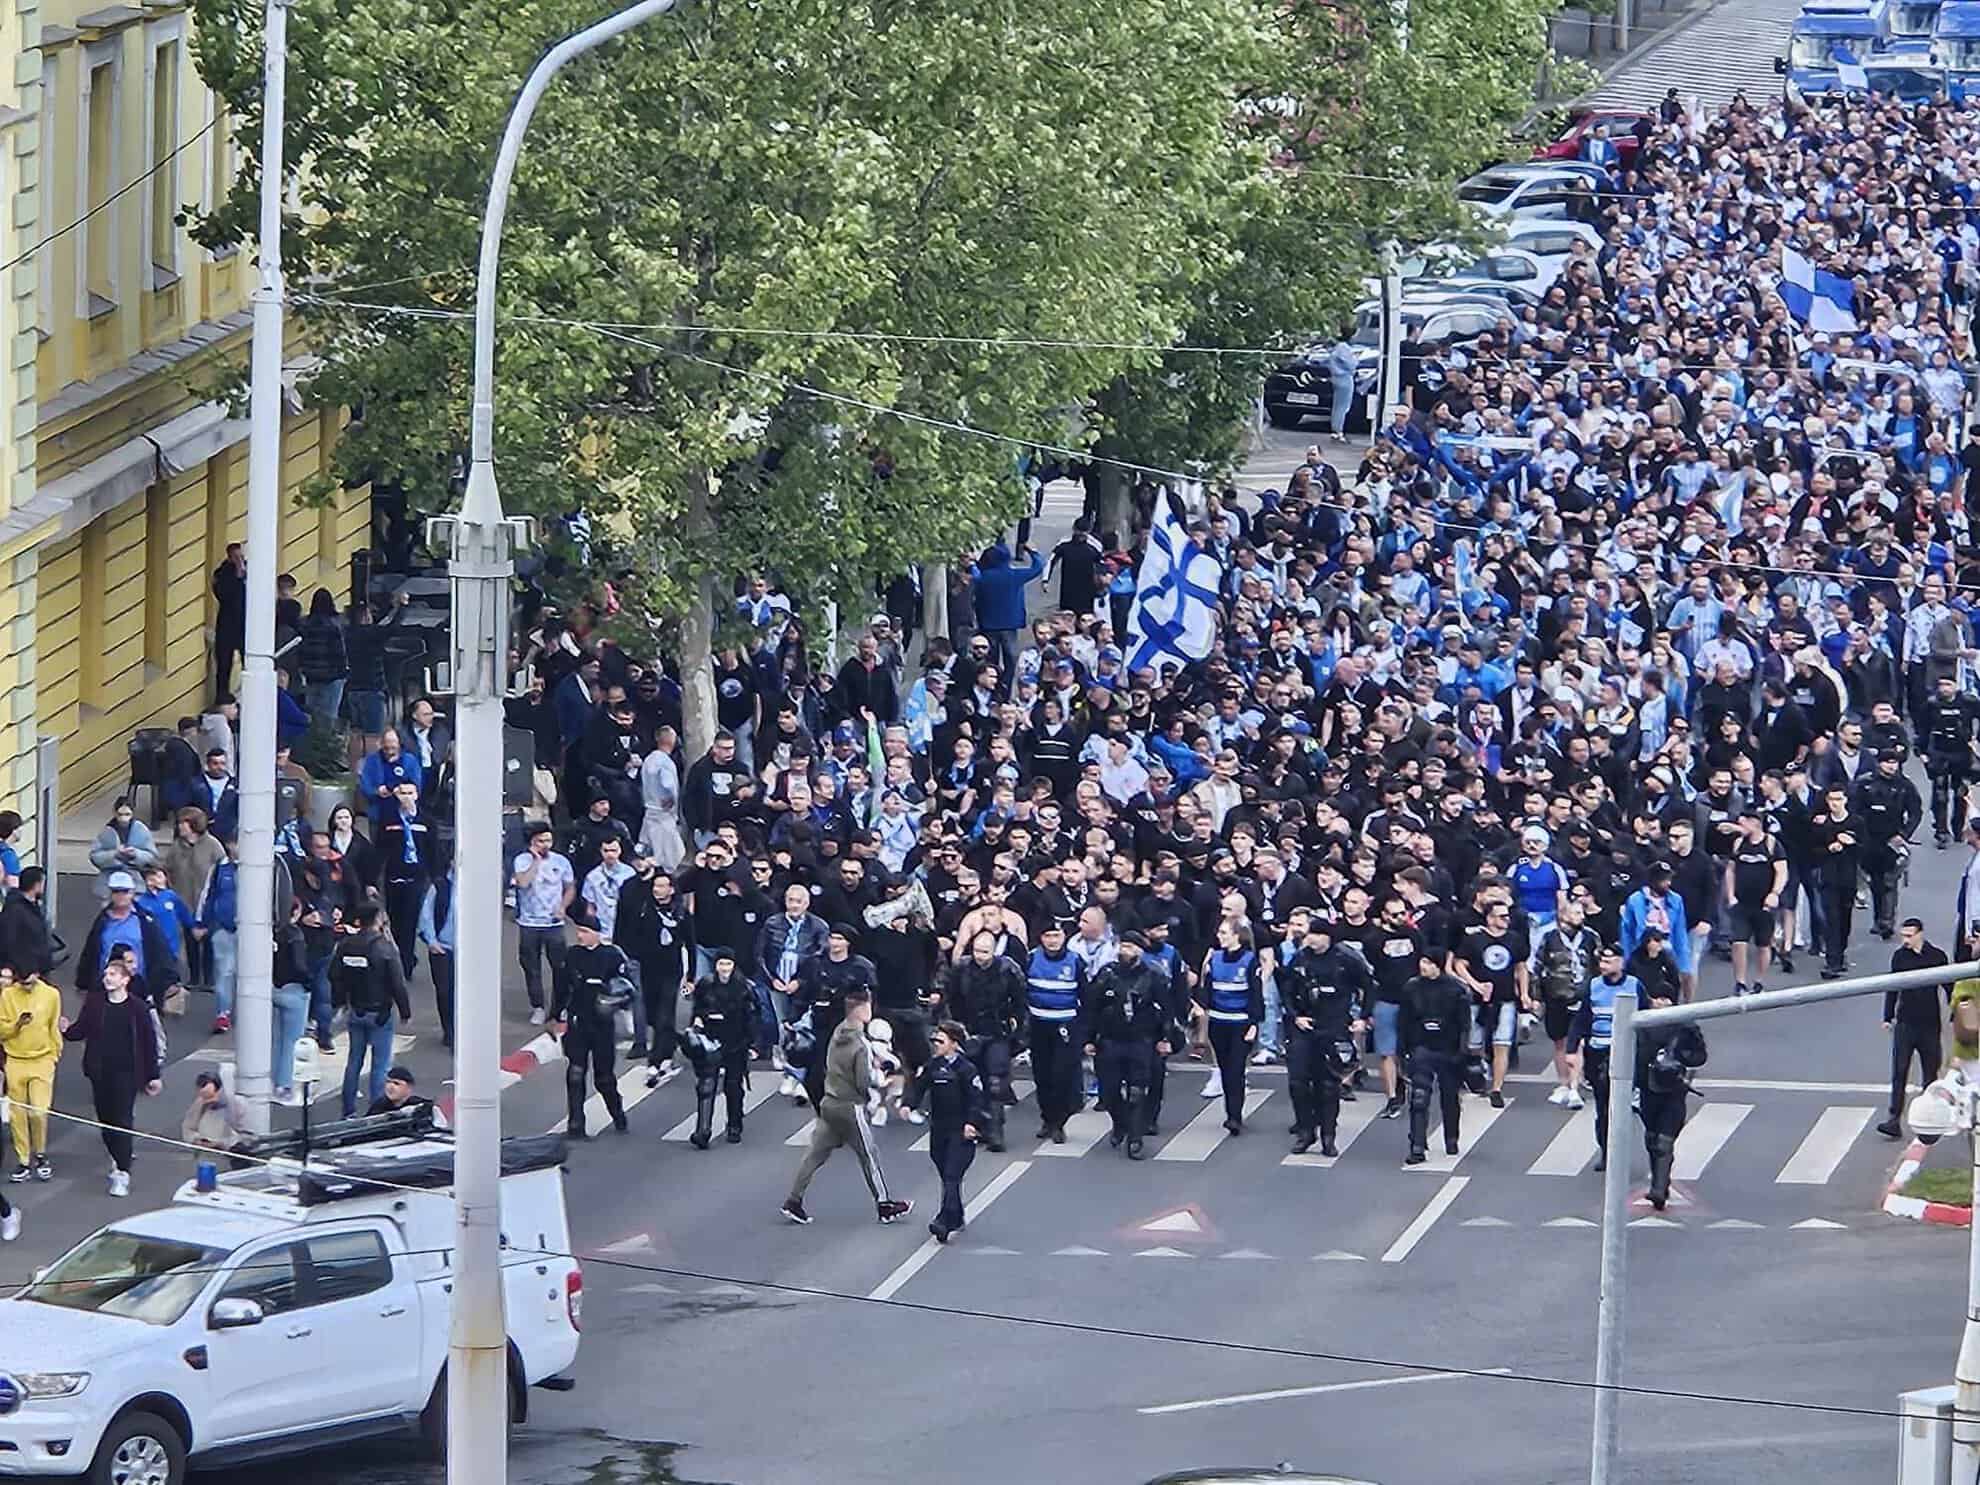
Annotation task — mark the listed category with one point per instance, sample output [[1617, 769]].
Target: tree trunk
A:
[[1115, 508], [934, 601], [698, 637]]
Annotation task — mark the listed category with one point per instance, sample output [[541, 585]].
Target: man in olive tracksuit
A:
[[842, 1114]]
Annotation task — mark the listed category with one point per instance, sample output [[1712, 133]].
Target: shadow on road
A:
[[538, 1457]]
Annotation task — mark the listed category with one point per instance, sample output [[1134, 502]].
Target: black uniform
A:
[[1128, 1012], [1946, 728], [1436, 1025], [1837, 846], [1891, 808], [1665, 1059], [822, 987], [990, 1004], [725, 1010], [660, 939], [1914, 1017], [583, 1002], [1327, 989], [954, 1093]]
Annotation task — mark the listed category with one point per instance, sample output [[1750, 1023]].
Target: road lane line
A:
[[1083, 1131], [919, 1259], [1251, 1397], [1705, 1134], [1571, 1149], [1426, 1219], [762, 1088], [1355, 1118], [1477, 1117], [1198, 1138], [1823, 1150]]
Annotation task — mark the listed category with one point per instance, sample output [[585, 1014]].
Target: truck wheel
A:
[[139, 1449], [433, 1417]]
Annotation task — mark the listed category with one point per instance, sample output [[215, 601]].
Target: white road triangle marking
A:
[[1485, 1222], [1244, 1253], [1568, 1222], [1076, 1251], [1161, 1253], [1818, 1224], [1175, 1222], [993, 1252], [639, 1242], [1655, 1222], [1338, 1255], [1736, 1224]]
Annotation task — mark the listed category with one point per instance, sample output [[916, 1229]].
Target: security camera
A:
[[1942, 1109]]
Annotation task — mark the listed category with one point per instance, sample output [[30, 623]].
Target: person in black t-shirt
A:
[[1491, 960], [1756, 876]]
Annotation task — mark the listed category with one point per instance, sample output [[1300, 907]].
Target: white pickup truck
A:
[[283, 1309]]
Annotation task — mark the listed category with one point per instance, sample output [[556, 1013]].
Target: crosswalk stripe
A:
[[803, 1134], [762, 1088], [1478, 1118], [1198, 1138], [1570, 1150], [1704, 1135], [632, 1092], [1823, 1150], [1355, 1117], [1018, 1086], [1083, 1131]]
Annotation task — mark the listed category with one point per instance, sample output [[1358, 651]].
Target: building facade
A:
[[124, 477]]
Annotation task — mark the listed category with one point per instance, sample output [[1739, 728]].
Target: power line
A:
[[113, 198]]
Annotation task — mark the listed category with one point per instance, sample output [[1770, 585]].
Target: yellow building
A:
[[123, 481]]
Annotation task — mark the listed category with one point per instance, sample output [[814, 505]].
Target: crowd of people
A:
[[1625, 646]]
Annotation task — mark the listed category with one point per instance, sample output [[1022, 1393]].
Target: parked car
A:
[[1620, 122], [1303, 387], [1549, 190]]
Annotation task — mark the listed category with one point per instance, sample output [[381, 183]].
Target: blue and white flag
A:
[[1849, 71], [1820, 300], [1174, 618]]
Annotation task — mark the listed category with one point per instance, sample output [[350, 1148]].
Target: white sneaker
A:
[[653, 1077], [1262, 1058], [1574, 1101], [914, 1116], [1213, 1087], [777, 1063], [1558, 1097], [120, 1183], [790, 1088], [10, 1226], [878, 1118], [537, 1015]]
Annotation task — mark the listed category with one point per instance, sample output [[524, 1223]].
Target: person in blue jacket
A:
[[997, 589]]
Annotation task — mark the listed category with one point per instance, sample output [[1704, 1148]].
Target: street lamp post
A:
[[481, 545]]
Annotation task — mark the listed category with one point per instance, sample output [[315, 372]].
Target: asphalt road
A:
[[1108, 1321]]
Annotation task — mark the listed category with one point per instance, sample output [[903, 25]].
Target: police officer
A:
[[822, 987], [987, 997], [1590, 1033], [1666, 1056], [1947, 728], [1167, 960], [1233, 1004], [1891, 810], [957, 1110], [593, 984], [1436, 1029], [1055, 993], [724, 1017], [1130, 1022], [1321, 997]]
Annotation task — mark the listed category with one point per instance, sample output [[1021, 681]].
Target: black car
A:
[[1304, 386]]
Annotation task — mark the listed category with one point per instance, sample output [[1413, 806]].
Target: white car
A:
[[1548, 190], [280, 1310]]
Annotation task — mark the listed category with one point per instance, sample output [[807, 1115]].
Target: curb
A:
[[1916, 1208]]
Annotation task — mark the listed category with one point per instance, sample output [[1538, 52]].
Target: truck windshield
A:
[[1913, 84], [126, 1273], [1817, 53], [1913, 20], [1962, 53]]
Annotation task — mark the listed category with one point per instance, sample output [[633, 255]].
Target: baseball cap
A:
[[122, 881]]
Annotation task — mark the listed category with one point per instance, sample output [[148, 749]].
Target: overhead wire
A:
[[113, 198]]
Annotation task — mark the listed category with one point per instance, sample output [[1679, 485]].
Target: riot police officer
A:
[[1128, 1012], [1436, 1028], [1233, 1004], [1590, 1032], [1167, 961], [1947, 728], [822, 987], [1891, 810], [987, 998], [1321, 993], [1055, 994], [1666, 1057], [594, 983], [957, 1109], [722, 1026]]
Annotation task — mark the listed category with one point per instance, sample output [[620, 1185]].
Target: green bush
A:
[[324, 749]]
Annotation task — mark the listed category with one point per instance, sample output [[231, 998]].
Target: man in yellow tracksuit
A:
[[31, 1036]]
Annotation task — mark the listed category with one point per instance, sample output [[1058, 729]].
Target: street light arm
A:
[[482, 438]]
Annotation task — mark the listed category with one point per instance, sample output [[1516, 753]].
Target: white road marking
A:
[[1198, 1138], [1355, 1118], [1818, 1224], [1739, 1085], [1655, 1222], [1183, 1221], [632, 1093], [1569, 1151], [1284, 1392], [1485, 1222], [1162, 1253], [919, 1259], [761, 1089], [1338, 1255], [1079, 1250], [1734, 1224], [1705, 1134], [1568, 1222], [1426, 1219], [1244, 1253], [803, 1134], [1823, 1150], [1083, 1131], [1476, 1119]]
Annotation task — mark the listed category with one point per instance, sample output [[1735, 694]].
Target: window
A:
[[157, 574], [162, 156], [344, 1265], [97, 183], [268, 1278], [125, 1273], [219, 159]]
